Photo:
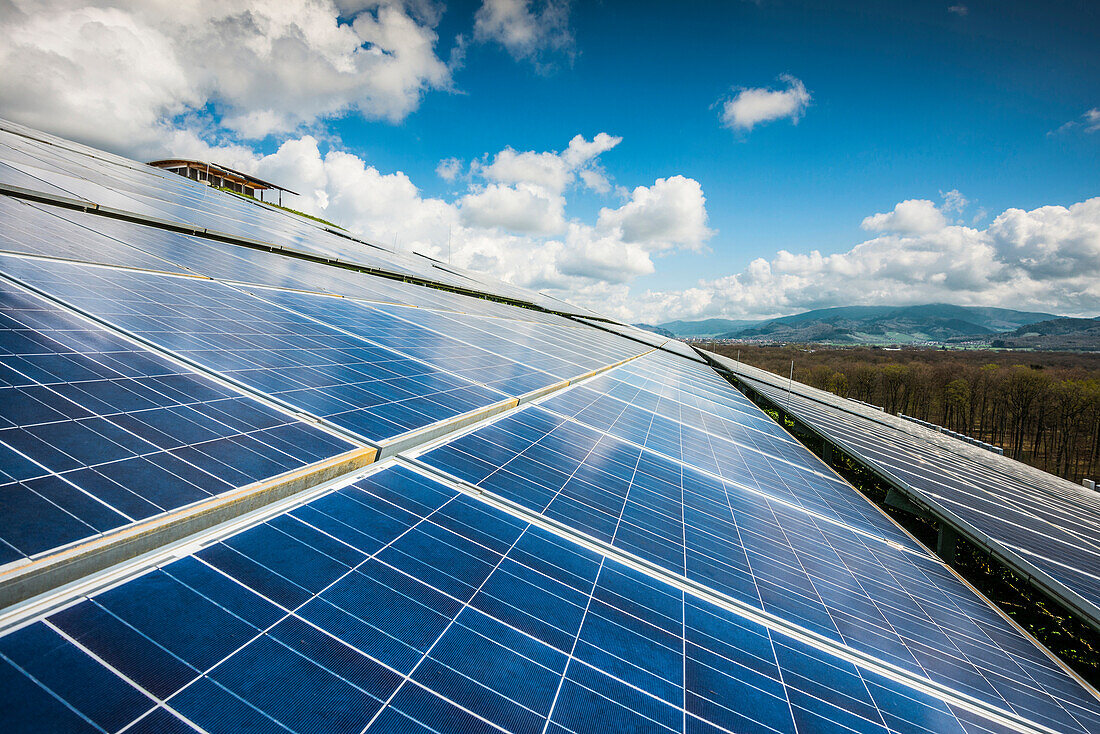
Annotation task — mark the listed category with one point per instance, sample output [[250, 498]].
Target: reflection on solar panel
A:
[[1048, 527], [567, 525], [97, 433]]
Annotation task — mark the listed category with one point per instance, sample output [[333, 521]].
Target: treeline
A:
[[1043, 408]]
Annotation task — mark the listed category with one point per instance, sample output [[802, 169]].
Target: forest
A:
[[1043, 408]]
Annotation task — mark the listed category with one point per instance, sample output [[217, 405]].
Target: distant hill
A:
[[869, 325], [891, 325], [656, 330], [700, 329], [1076, 334]]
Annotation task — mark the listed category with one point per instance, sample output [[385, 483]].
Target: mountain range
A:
[[901, 325]]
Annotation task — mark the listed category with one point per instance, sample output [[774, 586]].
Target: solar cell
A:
[[643, 550], [452, 616], [74, 172], [899, 605], [354, 384], [96, 433], [1048, 526]]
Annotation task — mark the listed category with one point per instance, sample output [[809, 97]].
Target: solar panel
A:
[[572, 525], [358, 386], [648, 337], [873, 596], [97, 433], [41, 229], [61, 171], [1044, 526], [450, 616]]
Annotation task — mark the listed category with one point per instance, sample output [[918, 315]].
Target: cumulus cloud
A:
[[670, 213], [525, 191], [511, 219], [749, 107], [129, 75], [1046, 259], [912, 216], [448, 169], [954, 201], [528, 30]]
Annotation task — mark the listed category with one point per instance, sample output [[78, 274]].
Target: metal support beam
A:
[[899, 501], [945, 543]]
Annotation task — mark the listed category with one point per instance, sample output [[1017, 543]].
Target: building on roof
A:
[[220, 176]]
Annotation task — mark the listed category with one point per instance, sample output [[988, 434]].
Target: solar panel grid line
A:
[[189, 364], [224, 374], [1088, 610], [739, 444], [965, 473], [874, 512], [368, 323], [739, 485], [392, 347], [700, 591], [982, 605], [291, 612], [14, 616], [408, 676]]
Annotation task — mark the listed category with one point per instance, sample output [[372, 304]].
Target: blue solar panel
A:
[[1047, 523], [899, 605], [454, 616], [96, 433], [30, 230], [38, 162], [354, 384], [644, 550], [756, 459], [129, 244]]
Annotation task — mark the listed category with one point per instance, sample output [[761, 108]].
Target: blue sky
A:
[[902, 102]]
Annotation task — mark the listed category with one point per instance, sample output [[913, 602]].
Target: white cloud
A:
[[1089, 122], [511, 219], [526, 190], [954, 201], [448, 169], [670, 214], [521, 208], [129, 75], [526, 29], [912, 216], [750, 107], [1046, 259], [960, 10]]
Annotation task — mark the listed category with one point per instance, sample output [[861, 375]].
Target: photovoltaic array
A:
[[1044, 526], [261, 475]]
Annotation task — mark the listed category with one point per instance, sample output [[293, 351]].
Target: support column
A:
[[945, 543]]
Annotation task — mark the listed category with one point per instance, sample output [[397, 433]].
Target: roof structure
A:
[[215, 172], [258, 475]]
